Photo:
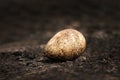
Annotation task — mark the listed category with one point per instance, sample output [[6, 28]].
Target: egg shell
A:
[[67, 44]]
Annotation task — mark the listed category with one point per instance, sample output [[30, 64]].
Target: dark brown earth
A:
[[27, 25]]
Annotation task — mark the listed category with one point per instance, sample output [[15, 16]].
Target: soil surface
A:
[[26, 26]]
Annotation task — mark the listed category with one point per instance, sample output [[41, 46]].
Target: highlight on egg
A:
[[67, 44]]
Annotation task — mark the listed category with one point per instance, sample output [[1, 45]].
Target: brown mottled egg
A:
[[67, 44]]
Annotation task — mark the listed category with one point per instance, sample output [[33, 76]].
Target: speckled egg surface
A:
[[67, 44]]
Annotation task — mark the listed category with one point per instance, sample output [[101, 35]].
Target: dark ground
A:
[[27, 25]]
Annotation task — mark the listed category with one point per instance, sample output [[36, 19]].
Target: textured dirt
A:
[[26, 26]]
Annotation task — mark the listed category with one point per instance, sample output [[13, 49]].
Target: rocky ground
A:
[[26, 26]]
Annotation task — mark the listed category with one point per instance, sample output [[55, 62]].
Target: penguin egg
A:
[[67, 44]]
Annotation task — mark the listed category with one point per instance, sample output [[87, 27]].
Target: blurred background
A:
[[31, 19]]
